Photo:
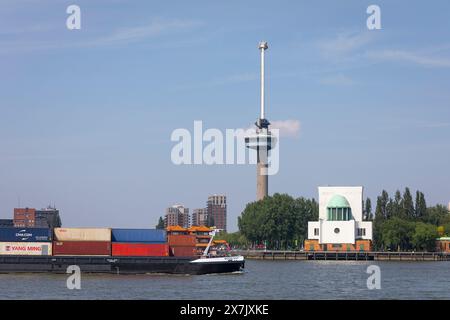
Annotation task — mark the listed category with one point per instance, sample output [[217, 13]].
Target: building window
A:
[[316, 231], [361, 232]]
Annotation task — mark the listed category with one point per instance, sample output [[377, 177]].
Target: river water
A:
[[261, 280]]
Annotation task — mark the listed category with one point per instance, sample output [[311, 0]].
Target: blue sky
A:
[[86, 115]]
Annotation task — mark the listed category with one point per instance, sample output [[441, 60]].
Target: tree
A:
[[161, 224], [408, 205], [437, 215], [396, 206], [381, 215], [280, 220], [447, 229], [368, 216], [424, 237], [421, 206], [381, 209], [234, 239], [397, 234]]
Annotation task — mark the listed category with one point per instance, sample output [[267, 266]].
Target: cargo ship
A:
[[106, 250]]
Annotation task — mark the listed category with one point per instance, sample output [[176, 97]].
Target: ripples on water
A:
[[261, 280]]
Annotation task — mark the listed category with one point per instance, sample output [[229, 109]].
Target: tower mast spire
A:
[[262, 47]]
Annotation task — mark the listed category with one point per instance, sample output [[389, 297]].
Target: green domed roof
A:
[[338, 202]]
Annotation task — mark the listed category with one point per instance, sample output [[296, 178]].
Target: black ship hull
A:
[[116, 265]]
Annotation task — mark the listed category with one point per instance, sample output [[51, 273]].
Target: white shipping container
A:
[[26, 248], [82, 234]]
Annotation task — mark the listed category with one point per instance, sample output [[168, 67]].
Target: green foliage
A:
[[160, 224], [397, 234], [403, 224], [421, 206], [280, 221], [447, 229], [437, 215], [381, 211], [407, 205], [234, 239], [424, 237], [368, 216]]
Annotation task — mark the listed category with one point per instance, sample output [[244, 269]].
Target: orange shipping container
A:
[[180, 251], [181, 240]]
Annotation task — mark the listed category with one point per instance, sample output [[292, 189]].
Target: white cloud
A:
[[337, 80], [288, 128], [156, 28], [344, 43], [408, 56]]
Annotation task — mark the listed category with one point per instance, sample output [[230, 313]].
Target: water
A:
[[262, 280]]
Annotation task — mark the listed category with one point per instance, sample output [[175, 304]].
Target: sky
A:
[[86, 115]]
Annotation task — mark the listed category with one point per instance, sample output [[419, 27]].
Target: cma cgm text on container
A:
[[26, 248], [26, 235]]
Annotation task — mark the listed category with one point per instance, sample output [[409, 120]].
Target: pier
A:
[[343, 255]]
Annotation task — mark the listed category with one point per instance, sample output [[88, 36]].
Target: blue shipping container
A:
[[26, 234], [138, 235]]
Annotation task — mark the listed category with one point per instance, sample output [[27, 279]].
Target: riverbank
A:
[[343, 255]]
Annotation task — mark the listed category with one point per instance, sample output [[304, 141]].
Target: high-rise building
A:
[[200, 217], [24, 217], [47, 218], [217, 211], [177, 215]]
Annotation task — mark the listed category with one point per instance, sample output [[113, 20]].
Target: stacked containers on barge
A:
[[139, 243], [26, 241], [82, 241], [182, 244]]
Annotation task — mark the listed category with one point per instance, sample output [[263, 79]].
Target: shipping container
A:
[[83, 234], [139, 235], [25, 235], [82, 248], [140, 249], [182, 240], [180, 251], [26, 248]]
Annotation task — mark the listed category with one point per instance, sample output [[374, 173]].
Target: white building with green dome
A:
[[340, 217]]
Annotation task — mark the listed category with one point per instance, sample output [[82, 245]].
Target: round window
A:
[[336, 230]]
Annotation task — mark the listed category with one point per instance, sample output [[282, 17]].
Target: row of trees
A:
[[404, 223], [399, 223]]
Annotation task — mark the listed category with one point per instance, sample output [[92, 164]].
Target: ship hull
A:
[[117, 265]]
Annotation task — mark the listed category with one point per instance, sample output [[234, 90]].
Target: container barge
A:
[[104, 250]]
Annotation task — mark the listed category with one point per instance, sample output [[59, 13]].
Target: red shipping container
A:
[[179, 251], [181, 240], [82, 248], [140, 249]]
